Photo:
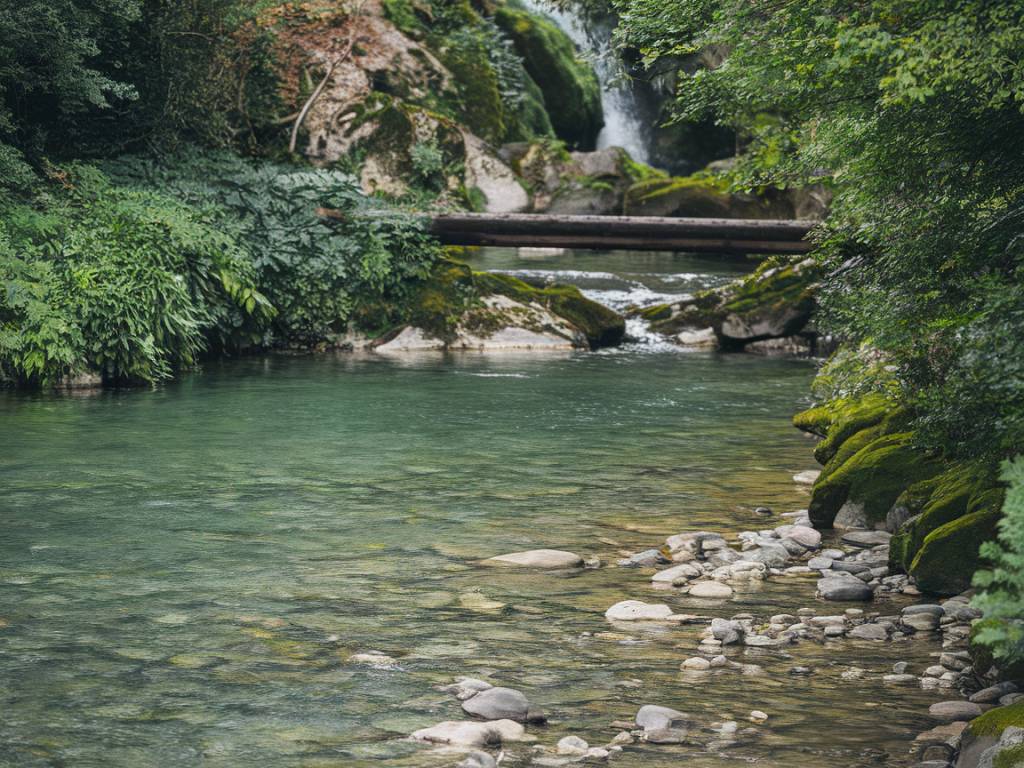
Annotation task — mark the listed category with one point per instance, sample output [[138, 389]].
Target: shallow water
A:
[[184, 571]]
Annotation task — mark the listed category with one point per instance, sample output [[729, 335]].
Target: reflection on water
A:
[[184, 572]]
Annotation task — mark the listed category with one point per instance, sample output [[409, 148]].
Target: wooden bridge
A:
[[635, 233], [632, 233]]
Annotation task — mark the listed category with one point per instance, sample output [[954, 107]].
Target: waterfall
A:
[[624, 125]]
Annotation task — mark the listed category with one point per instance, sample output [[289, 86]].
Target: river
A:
[[185, 571]]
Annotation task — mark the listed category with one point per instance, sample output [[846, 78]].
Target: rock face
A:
[[470, 733], [538, 558]]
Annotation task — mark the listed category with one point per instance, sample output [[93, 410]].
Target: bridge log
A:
[[638, 233], [641, 233]]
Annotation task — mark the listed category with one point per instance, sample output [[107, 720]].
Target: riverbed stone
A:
[[676, 574], [806, 537], [652, 717], [636, 610], [646, 559], [466, 687], [472, 733], [572, 745], [993, 693], [772, 554], [844, 589], [954, 711], [477, 759], [869, 632], [921, 622], [713, 590], [807, 477], [726, 631], [538, 558], [696, 664], [866, 538], [820, 563], [502, 704]]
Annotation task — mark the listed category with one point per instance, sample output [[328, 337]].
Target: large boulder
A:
[[948, 557], [569, 85]]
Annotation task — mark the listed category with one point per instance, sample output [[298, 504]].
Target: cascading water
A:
[[624, 125]]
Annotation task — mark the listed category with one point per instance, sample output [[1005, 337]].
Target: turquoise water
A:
[[185, 571]]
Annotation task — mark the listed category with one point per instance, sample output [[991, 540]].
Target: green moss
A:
[[481, 108], [842, 418], [602, 326], [997, 720], [948, 557], [530, 121], [569, 86], [1010, 757], [848, 449], [657, 312], [874, 477], [698, 195]]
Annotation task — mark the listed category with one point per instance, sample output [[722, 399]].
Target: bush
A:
[[129, 284], [1002, 587], [315, 270]]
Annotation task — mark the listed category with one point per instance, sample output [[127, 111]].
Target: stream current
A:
[[185, 571]]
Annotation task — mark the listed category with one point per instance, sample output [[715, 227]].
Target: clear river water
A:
[[185, 571]]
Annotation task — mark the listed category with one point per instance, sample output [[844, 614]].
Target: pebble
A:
[[806, 537], [697, 664], [807, 477], [538, 558], [866, 538], [844, 589], [652, 717], [646, 559], [757, 716], [993, 693], [899, 679], [572, 745], [869, 632], [726, 631], [765, 511], [374, 659], [820, 563], [900, 667], [677, 573]]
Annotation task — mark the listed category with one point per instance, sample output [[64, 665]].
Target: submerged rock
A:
[[635, 610], [498, 703], [538, 558], [711, 590], [472, 733]]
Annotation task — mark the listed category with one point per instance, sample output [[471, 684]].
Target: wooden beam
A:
[[647, 233], [641, 233]]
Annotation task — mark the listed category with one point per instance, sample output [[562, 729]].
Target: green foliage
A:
[[911, 110], [1001, 595], [128, 284], [314, 270]]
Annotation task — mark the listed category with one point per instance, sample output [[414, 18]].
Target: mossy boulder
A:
[[571, 91], [601, 326], [701, 195], [773, 302], [776, 301], [839, 419], [870, 480], [948, 557], [997, 720], [964, 488]]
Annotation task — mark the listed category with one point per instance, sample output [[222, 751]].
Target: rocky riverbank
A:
[[855, 594]]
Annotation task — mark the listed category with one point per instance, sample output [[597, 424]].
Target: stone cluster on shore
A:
[[711, 568]]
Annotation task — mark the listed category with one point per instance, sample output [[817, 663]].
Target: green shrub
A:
[[1002, 587], [126, 283], [315, 270]]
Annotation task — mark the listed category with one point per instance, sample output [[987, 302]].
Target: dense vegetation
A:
[[911, 112]]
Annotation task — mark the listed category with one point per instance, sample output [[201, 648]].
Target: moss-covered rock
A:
[[871, 480], [839, 419], [997, 720], [701, 195], [570, 87], [602, 326], [776, 301], [948, 557]]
